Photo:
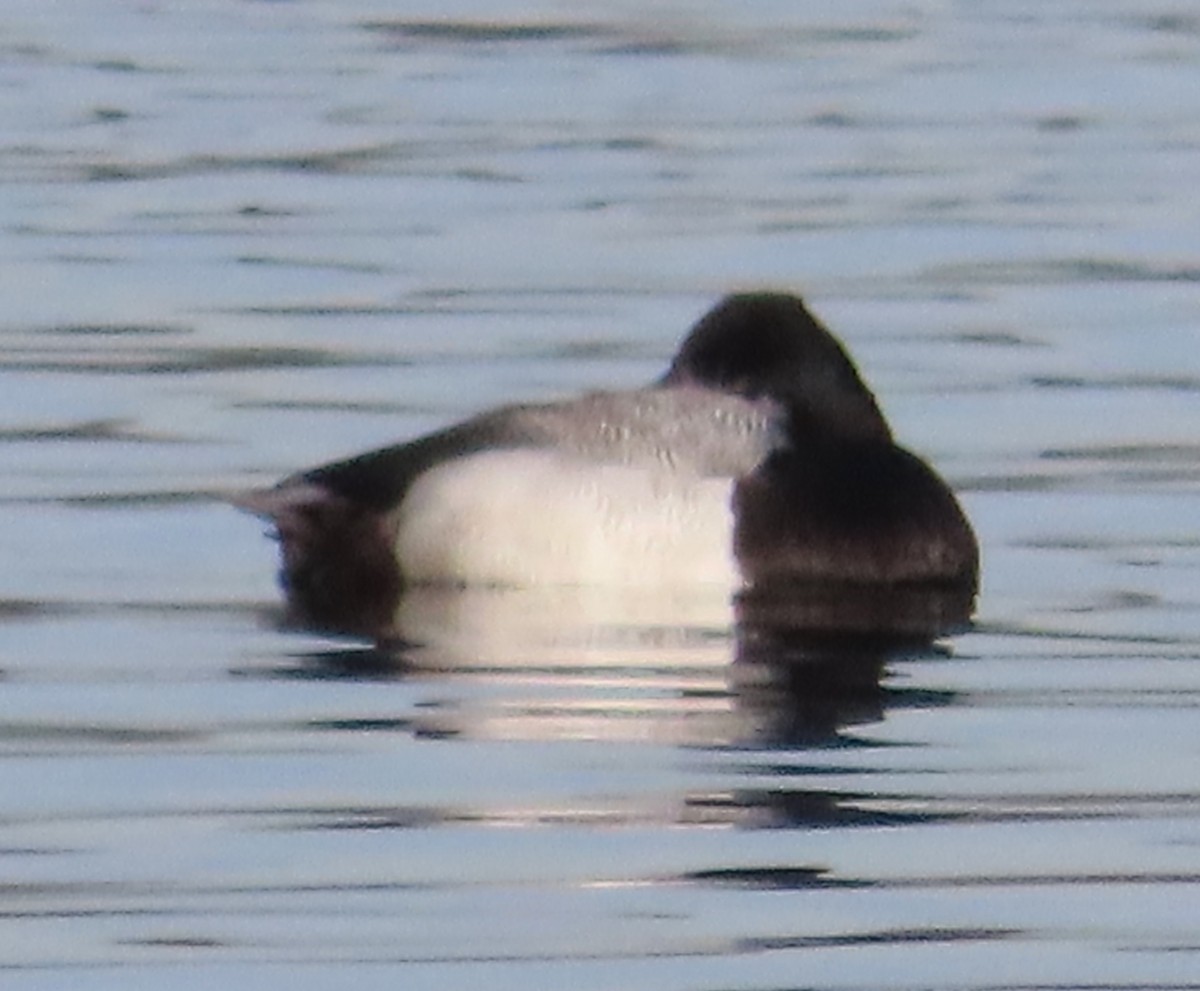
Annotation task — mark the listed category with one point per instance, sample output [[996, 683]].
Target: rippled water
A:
[[241, 238]]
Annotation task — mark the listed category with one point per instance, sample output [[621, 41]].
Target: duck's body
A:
[[760, 456], [610, 489]]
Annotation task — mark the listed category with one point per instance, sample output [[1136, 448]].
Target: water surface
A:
[[241, 238]]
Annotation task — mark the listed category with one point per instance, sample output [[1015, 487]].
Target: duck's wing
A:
[[693, 430]]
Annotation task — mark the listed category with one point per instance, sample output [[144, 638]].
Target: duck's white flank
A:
[[529, 517]]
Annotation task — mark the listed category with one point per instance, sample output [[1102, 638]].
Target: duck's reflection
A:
[[810, 661], [769, 694], [788, 666]]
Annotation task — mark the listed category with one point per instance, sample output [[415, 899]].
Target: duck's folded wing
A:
[[693, 430]]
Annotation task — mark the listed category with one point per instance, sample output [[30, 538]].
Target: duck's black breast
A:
[[853, 511]]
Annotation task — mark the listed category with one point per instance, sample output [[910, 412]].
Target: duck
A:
[[759, 459]]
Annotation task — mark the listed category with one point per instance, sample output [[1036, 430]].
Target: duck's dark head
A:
[[768, 345], [838, 500]]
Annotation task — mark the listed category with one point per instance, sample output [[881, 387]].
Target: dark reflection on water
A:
[[145, 360], [766, 878], [809, 662]]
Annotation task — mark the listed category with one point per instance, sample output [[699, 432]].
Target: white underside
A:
[[527, 518]]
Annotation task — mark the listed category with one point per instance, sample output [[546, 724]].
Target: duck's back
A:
[[696, 431]]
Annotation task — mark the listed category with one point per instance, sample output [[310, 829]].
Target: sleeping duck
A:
[[759, 459]]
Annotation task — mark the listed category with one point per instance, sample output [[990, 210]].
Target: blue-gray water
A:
[[239, 238]]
